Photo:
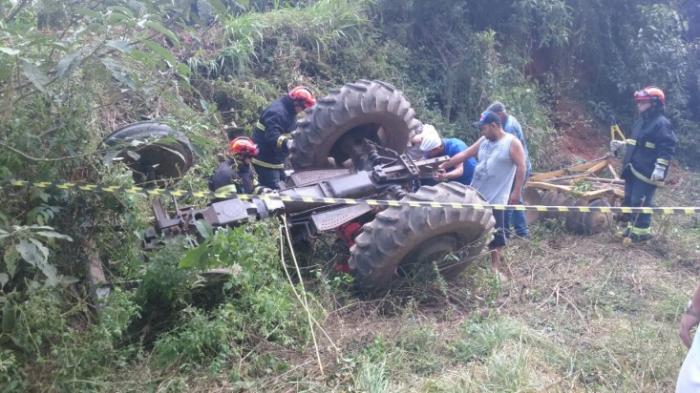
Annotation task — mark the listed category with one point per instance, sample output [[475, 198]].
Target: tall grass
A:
[[316, 26]]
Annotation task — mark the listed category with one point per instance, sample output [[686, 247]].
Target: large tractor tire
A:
[[575, 221], [366, 109], [407, 242], [589, 223], [152, 150]]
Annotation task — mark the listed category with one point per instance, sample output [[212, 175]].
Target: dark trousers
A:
[[638, 194], [270, 178]]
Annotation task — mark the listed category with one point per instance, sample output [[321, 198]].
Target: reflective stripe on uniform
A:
[[267, 164], [226, 191], [260, 126], [650, 145], [662, 161], [639, 231], [645, 179], [281, 140], [632, 142]]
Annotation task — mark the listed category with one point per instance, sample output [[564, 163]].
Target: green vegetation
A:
[[581, 314]]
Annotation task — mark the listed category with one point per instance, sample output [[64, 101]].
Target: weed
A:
[[371, 376], [421, 350], [480, 338], [198, 340]]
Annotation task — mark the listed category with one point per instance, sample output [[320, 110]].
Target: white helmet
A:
[[431, 139]]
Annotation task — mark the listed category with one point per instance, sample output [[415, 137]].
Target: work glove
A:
[[617, 147], [659, 173], [260, 190]]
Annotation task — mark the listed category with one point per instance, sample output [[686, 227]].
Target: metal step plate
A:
[[333, 219]]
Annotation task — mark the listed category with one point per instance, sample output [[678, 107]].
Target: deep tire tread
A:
[[384, 242], [375, 102]]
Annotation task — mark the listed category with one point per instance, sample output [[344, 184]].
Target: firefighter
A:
[[647, 155], [236, 174], [272, 134]]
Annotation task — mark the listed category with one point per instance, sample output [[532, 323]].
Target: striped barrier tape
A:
[[179, 193]]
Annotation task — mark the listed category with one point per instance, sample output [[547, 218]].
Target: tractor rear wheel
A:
[[337, 126], [408, 242], [152, 150]]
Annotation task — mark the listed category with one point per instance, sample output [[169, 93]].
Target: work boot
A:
[[623, 234]]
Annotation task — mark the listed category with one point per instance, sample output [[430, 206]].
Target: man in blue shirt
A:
[[433, 146], [516, 219]]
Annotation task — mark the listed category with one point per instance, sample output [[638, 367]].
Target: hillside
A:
[[580, 313]]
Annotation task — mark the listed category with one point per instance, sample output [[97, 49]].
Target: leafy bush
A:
[[262, 294], [67, 351]]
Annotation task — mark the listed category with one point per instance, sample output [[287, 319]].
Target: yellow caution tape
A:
[[156, 192]]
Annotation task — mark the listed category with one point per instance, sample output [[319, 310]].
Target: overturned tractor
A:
[[352, 144]]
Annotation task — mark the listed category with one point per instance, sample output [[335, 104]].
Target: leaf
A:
[[194, 257], [39, 227], [156, 26], [9, 51], [31, 253], [10, 258], [122, 10], [183, 70], [68, 63], [159, 50], [44, 251], [37, 77], [49, 270], [137, 6], [120, 74], [121, 45], [205, 229], [4, 279], [52, 277], [54, 235], [144, 58]]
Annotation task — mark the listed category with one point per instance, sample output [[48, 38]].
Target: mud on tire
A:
[[402, 239], [366, 109]]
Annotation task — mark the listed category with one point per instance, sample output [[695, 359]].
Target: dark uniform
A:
[[271, 135], [653, 142], [230, 172]]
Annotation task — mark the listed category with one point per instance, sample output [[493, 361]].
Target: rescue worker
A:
[[272, 134], [433, 146], [236, 174], [647, 154]]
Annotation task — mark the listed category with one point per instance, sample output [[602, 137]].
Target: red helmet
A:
[[303, 95], [243, 146], [650, 94]]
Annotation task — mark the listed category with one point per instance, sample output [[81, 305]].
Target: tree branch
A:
[[39, 159]]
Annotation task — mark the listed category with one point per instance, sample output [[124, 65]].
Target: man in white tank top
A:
[[501, 159]]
